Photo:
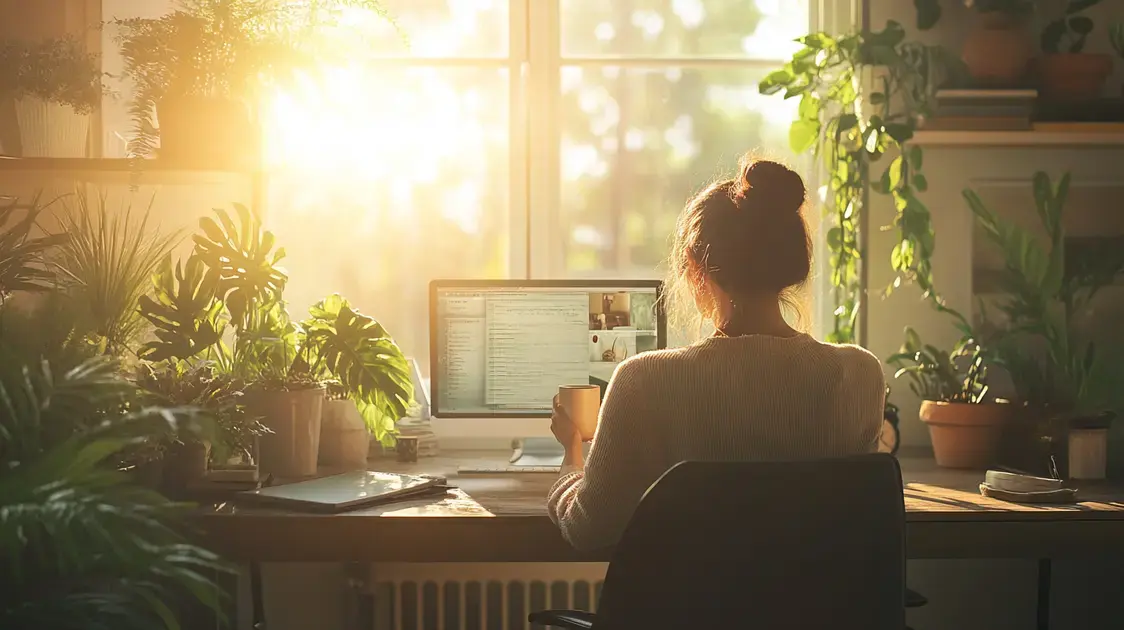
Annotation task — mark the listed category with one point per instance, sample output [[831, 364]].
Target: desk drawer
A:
[[478, 596]]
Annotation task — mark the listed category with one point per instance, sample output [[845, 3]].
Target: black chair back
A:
[[801, 545]]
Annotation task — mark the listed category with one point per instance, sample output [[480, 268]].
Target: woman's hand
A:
[[564, 431]]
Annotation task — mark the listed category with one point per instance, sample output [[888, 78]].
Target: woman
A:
[[756, 390]]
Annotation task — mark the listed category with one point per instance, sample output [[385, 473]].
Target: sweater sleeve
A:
[[592, 508], [868, 395]]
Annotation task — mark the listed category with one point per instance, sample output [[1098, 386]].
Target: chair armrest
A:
[[569, 619]]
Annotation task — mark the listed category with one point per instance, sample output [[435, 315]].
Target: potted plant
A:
[[998, 52], [203, 69], [232, 279], [231, 429], [1068, 72], [1065, 377], [106, 264], [55, 85], [965, 427], [85, 546]]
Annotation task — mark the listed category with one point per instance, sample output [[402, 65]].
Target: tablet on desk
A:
[[346, 491]]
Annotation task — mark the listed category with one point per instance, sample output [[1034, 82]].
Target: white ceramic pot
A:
[[295, 418], [51, 130], [344, 440], [1088, 453]]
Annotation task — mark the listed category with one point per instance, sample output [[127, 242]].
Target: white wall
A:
[[999, 594]]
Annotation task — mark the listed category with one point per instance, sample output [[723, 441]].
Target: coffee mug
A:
[[582, 404]]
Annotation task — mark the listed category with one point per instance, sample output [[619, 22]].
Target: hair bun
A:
[[772, 184]]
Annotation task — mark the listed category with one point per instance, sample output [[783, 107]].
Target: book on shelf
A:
[[977, 123], [1080, 127], [980, 111]]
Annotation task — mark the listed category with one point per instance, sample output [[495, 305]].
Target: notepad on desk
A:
[[346, 491]]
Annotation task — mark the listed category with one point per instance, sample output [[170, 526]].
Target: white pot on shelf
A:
[[50, 129]]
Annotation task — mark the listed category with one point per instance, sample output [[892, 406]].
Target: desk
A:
[[503, 519]]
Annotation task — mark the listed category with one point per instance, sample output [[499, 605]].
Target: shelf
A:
[[984, 139], [120, 170]]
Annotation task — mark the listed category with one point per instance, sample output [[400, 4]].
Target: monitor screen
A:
[[504, 348]]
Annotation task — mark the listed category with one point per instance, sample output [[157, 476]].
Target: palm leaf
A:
[[22, 264], [83, 546], [108, 261]]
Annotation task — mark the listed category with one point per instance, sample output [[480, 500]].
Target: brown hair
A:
[[747, 235]]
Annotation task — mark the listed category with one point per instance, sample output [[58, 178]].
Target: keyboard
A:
[[501, 469]]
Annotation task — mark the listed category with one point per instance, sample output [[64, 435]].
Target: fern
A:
[[84, 547]]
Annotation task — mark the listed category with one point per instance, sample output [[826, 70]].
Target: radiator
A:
[[478, 596]]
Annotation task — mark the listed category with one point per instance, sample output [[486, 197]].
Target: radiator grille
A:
[[479, 597]]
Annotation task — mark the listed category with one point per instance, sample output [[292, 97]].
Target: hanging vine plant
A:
[[851, 131]]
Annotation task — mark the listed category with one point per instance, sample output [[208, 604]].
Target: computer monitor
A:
[[501, 348]]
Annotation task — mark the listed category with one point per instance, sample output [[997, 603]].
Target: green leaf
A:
[[916, 157], [1081, 25], [775, 81], [920, 182], [809, 107], [1052, 35], [897, 172], [802, 135], [901, 133], [816, 41], [928, 13], [835, 238]]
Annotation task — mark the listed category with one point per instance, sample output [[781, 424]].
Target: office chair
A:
[[801, 545]]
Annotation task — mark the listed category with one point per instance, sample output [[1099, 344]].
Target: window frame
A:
[[544, 61], [534, 62]]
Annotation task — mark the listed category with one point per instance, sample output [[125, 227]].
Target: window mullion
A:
[[519, 206], [543, 63]]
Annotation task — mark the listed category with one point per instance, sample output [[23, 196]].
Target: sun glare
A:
[[358, 124]]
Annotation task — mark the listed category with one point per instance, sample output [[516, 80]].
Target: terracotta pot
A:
[[294, 417], [1074, 76], [965, 435], [216, 133], [999, 52]]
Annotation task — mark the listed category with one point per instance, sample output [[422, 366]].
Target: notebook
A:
[[346, 491]]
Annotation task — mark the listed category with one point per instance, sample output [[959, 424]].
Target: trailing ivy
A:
[[850, 131]]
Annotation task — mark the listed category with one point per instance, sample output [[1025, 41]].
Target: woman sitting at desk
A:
[[756, 390]]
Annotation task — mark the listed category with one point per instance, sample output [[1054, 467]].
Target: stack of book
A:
[[421, 429], [983, 110]]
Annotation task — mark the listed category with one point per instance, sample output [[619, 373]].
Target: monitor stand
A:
[[539, 452]]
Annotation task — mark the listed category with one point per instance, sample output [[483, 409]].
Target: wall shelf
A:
[[1028, 139], [121, 170]]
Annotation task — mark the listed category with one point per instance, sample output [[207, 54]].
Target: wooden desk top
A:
[[502, 518]]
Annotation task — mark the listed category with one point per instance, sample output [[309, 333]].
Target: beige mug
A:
[[582, 404]]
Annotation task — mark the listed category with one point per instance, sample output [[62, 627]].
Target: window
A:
[[516, 138]]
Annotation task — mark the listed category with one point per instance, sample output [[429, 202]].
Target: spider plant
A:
[[943, 376], [84, 547], [107, 263], [22, 254]]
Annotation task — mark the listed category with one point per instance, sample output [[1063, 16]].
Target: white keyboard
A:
[[503, 469]]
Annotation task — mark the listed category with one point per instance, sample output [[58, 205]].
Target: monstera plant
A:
[[225, 304]]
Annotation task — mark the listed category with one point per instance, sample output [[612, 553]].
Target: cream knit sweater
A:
[[750, 398]]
